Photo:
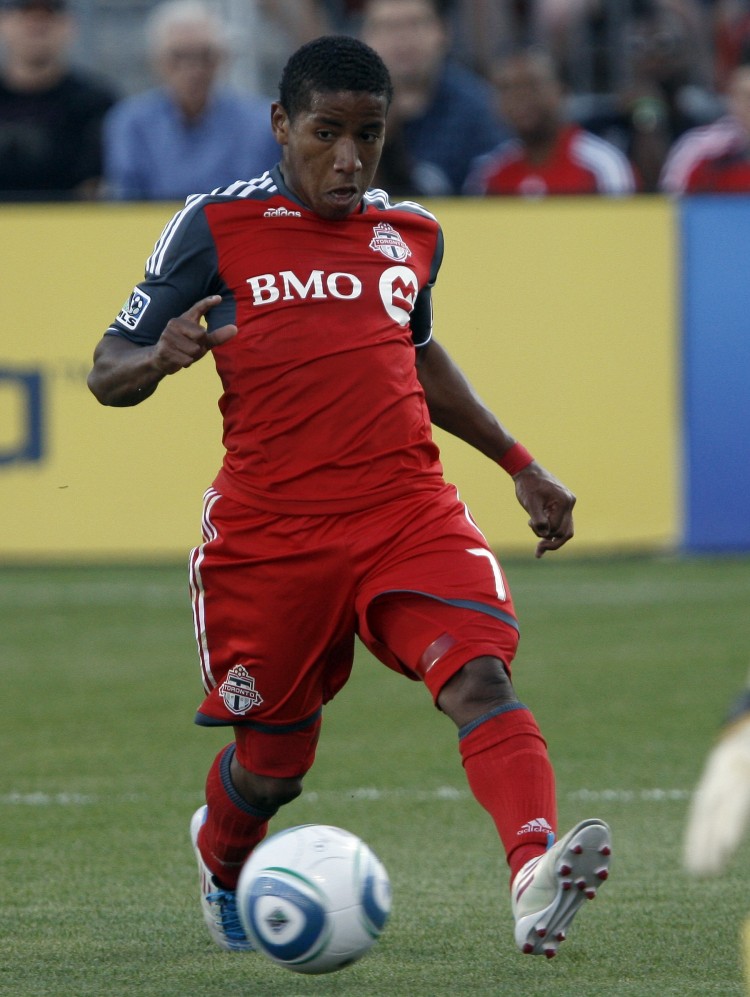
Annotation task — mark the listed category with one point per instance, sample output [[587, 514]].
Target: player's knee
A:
[[265, 792], [275, 793], [481, 685]]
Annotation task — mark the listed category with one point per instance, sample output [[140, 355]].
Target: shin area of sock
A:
[[510, 774], [233, 826]]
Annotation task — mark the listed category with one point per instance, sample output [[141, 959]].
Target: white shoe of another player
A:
[[549, 890], [219, 906]]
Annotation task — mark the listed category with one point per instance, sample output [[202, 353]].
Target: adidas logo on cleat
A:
[[536, 826]]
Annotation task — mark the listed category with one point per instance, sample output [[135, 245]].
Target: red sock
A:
[[233, 827], [509, 772]]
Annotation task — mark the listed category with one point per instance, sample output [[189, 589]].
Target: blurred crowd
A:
[[492, 97]]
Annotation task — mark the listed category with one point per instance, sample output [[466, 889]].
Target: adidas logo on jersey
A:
[[535, 826], [281, 213]]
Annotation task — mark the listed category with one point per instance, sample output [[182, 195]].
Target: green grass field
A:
[[628, 664]]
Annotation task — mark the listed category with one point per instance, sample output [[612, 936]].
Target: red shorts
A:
[[279, 599]]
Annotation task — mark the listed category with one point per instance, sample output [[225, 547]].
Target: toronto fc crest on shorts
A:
[[238, 691], [387, 241]]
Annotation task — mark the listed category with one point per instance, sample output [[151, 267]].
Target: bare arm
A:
[[455, 407], [126, 374]]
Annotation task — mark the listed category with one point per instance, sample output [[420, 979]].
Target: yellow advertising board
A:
[[562, 313]]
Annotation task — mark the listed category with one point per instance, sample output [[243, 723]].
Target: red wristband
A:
[[515, 459]]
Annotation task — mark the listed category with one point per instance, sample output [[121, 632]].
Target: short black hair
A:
[[332, 64]]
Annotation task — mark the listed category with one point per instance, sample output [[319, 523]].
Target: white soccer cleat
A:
[[219, 905], [549, 889]]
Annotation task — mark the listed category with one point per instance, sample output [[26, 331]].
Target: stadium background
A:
[[608, 335]]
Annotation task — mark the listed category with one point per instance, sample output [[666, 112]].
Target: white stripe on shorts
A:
[[196, 590]]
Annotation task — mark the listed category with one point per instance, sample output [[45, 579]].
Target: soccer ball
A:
[[313, 898]]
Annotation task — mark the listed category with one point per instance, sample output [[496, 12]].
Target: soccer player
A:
[[330, 516]]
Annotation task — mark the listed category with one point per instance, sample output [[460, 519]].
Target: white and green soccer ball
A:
[[313, 898]]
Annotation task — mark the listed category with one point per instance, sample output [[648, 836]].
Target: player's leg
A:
[[438, 605], [240, 802], [505, 758], [502, 746], [464, 657], [251, 586], [440, 609], [239, 805]]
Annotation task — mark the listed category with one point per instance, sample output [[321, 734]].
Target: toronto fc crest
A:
[[387, 241], [238, 691]]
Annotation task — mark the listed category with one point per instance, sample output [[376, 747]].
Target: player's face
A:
[[330, 152]]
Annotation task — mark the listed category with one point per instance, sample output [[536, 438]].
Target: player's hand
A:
[[185, 339], [549, 505], [720, 810]]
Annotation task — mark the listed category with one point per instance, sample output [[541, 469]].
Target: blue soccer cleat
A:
[[219, 905]]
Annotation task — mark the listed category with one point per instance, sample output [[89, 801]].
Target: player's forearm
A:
[[455, 407], [123, 374], [475, 425]]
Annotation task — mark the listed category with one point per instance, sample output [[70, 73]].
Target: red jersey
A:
[[322, 407], [725, 175], [714, 158], [579, 163]]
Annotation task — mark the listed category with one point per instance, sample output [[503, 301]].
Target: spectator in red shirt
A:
[[548, 154], [716, 157]]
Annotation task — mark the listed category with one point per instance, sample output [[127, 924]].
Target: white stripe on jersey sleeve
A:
[[155, 261], [610, 167], [241, 188], [246, 188], [378, 198]]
